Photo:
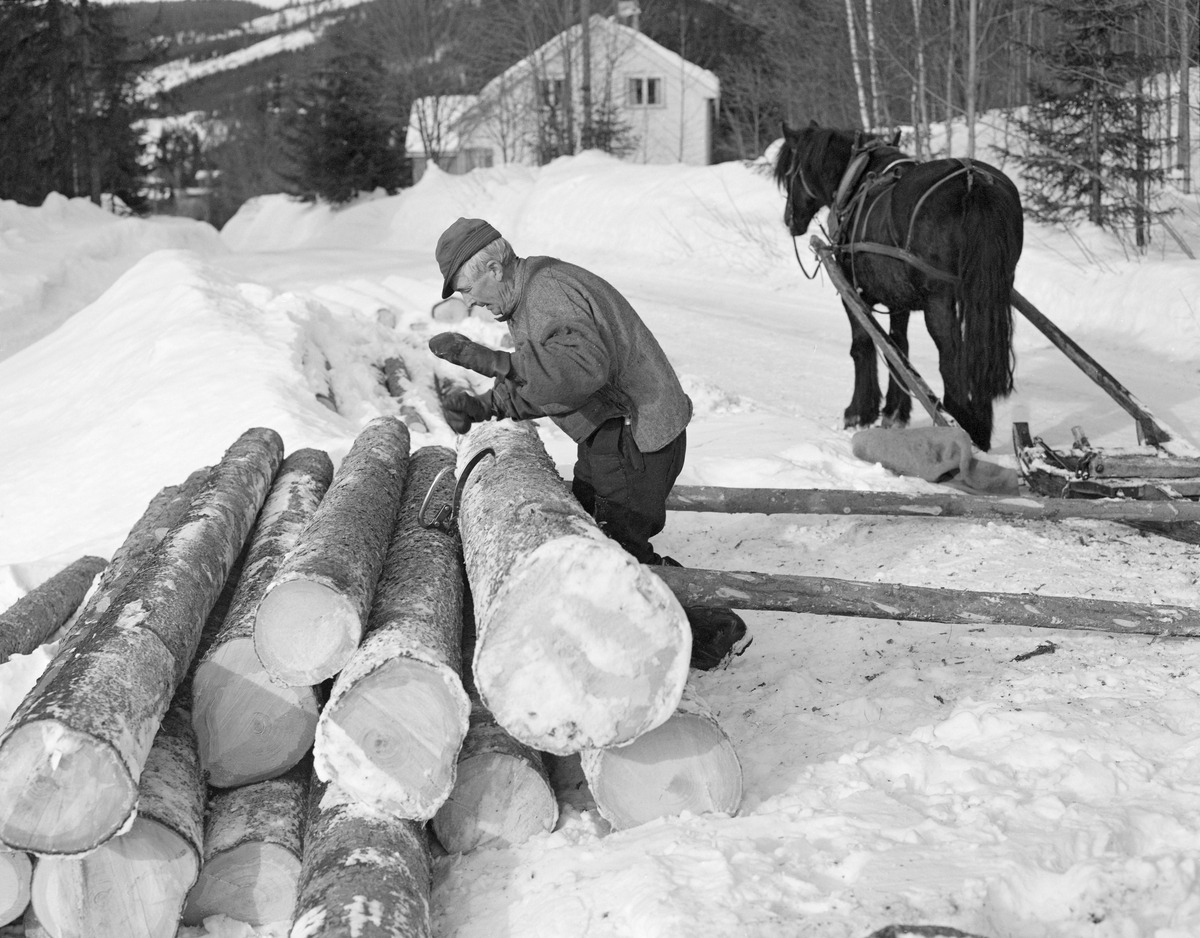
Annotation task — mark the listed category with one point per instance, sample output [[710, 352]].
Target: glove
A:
[[458, 349], [462, 408]]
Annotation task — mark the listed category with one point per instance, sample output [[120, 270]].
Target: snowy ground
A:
[[894, 772]]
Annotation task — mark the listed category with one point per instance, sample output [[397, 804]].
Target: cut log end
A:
[[248, 726], [687, 764], [15, 872], [132, 887], [392, 744], [593, 663], [254, 883], [58, 781], [305, 632], [499, 800]]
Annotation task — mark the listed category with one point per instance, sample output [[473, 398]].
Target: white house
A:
[[649, 105]]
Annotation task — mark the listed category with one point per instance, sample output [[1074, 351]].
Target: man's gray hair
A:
[[499, 250]]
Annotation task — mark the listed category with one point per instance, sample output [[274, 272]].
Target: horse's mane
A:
[[819, 142]]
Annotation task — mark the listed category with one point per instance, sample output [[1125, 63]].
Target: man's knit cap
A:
[[458, 244]]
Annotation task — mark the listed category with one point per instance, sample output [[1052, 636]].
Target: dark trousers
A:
[[624, 489]]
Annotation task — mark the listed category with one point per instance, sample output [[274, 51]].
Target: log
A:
[[390, 734], [250, 727], [253, 843], [135, 884], [502, 794], [365, 874], [36, 616], [579, 648], [312, 613], [73, 752], [827, 596], [687, 764], [16, 870], [938, 505]]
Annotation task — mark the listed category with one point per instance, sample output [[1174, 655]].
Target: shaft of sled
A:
[[827, 596], [938, 505]]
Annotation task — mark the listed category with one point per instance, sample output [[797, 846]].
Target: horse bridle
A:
[[796, 171]]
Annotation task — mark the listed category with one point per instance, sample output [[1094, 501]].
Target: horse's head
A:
[[809, 166]]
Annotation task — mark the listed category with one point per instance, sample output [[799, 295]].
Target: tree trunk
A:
[[863, 116], [579, 648], [687, 764], [390, 734], [826, 596], [109, 893], [36, 616], [920, 115], [937, 505], [311, 618], [249, 727], [253, 844], [1184, 150], [16, 870], [585, 85], [878, 103], [972, 78], [73, 752], [950, 81], [364, 875]]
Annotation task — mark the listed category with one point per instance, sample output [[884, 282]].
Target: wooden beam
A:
[[938, 504], [827, 596]]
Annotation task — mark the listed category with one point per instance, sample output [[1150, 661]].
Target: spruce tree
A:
[[1088, 125]]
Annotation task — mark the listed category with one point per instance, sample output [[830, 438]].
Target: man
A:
[[583, 357]]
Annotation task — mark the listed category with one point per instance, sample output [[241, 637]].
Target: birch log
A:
[[73, 752], [16, 869], [390, 734], [36, 616], [253, 843], [313, 611], [687, 764], [579, 646], [250, 727], [135, 884], [365, 874]]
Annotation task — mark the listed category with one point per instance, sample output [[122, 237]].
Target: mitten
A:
[[457, 348], [462, 408]]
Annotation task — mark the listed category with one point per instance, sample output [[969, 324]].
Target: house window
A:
[[553, 92], [645, 92]]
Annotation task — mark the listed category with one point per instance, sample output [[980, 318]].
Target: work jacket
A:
[[582, 355]]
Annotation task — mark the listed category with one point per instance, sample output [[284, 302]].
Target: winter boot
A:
[[718, 633]]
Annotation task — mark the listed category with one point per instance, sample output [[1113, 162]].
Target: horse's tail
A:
[[992, 240]]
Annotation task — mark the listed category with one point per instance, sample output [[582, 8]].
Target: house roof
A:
[[694, 74], [443, 112]]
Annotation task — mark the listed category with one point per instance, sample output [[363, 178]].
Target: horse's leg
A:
[[973, 416], [897, 407], [864, 406]]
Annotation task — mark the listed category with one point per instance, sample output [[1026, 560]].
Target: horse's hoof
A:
[[896, 423], [854, 422]]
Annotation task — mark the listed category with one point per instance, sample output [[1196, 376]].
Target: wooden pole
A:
[[937, 505], [825, 596], [687, 764], [253, 840], [16, 870], [36, 616], [73, 752], [364, 873], [109, 893], [578, 647], [249, 727], [390, 734], [312, 614]]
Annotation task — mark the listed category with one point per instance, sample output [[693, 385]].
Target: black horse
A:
[[942, 236]]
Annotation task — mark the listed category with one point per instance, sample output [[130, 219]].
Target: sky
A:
[[893, 772]]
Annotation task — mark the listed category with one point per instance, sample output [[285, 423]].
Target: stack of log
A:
[[180, 725]]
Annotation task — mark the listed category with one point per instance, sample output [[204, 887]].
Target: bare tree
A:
[[864, 117]]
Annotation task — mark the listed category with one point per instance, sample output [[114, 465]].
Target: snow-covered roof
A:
[[443, 114]]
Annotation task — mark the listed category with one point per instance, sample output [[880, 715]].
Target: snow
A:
[[894, 772]]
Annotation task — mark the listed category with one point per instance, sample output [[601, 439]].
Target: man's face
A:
[[484, 290]]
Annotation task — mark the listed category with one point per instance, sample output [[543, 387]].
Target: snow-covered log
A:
[[36, 616], [251, 727], [390, 734], [73, 753], [687, 764], [364, 873], [253, 842], [580, 647], [135, 884], [312, 615], [15, 871], [502, 795]]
